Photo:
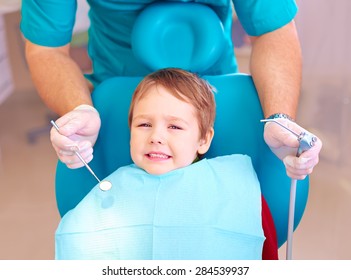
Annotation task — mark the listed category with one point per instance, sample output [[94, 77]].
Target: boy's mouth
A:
[[158, 156]]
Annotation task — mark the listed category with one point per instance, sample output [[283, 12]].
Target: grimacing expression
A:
[[165, 132]]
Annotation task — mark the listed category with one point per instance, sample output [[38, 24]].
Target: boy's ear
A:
[[206, 143]]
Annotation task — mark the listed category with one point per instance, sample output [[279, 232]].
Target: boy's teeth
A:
[[158, 155]]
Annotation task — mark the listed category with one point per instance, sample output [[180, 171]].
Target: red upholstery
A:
[[270, 246]]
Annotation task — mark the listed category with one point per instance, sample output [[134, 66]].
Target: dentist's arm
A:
[[276, 66], [63, 88], [57, 78]]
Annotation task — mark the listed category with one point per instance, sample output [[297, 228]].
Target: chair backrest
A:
[[237, 127]]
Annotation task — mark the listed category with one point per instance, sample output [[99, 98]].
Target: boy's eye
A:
[[174, 127], [144, 125]]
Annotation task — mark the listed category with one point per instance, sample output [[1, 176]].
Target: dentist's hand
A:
[[284, 145], [79, 130]]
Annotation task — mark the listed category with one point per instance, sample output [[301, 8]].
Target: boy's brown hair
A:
[[185, 86]]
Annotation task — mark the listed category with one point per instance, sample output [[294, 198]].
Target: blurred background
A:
[[28, 213]]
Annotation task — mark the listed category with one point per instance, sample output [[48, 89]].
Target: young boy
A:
[[171, 120], [170, 204]]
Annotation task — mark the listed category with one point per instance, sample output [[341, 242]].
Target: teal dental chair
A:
[[178, 39]]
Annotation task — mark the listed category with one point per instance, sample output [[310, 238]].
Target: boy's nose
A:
[[156, 141], [157, 137]]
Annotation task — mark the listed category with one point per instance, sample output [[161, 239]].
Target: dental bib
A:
[[208, 210]]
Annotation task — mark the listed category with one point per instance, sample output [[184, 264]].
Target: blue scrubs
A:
[[50, 23]]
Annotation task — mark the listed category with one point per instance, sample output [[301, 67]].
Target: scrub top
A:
[[50, 23]]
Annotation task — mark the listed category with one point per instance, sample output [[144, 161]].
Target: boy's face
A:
[[165, 132]]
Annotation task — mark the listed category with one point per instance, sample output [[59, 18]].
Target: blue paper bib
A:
[[208, 210]]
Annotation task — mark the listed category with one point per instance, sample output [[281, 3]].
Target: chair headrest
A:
[[183, 35]]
